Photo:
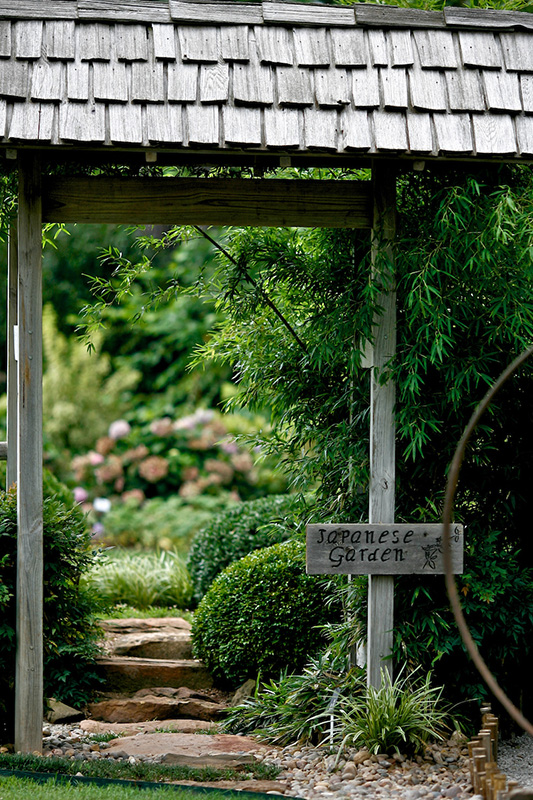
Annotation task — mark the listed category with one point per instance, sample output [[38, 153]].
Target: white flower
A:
[[102, 504], [119, 429]]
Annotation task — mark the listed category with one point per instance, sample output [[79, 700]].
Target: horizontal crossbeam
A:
[[208, 201]]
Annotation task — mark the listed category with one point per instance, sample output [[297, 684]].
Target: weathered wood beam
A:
[[382, 423], [29, 658], [209, 201], [12, 293]]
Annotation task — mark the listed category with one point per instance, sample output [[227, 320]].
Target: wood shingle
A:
[[268, 76]]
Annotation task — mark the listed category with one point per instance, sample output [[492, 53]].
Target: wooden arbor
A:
[[259, 84]]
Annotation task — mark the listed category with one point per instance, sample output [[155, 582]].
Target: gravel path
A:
[[311, 772]]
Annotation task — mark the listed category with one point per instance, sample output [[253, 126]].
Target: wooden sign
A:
[[395, 549]]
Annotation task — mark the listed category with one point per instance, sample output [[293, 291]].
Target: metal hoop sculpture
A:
[[451, 586]]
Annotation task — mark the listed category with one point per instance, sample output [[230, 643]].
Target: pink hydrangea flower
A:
[[80, 494], [95, 458], [119, 429], [153, 468], [162, 427]]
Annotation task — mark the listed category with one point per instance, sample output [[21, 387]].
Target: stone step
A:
[[157, 704], [128, 675], [161, 644]]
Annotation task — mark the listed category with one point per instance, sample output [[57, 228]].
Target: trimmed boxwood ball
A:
[[261, 616], [234, 533]]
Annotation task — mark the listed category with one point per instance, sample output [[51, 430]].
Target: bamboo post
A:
[[29, 659], [382, 424], [12, 294]]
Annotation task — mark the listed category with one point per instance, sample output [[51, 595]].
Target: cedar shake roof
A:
[[266, 77]]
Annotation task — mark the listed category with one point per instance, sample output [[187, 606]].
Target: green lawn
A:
[[22, 789]]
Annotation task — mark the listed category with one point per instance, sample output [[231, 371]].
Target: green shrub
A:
[[70, 631], [261, 616], [236, 532], [161, 523], [141, 579]]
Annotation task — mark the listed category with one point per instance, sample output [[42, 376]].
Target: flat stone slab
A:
[[193, 750], [133, 728], [134, 625], [128, 675], [150, 707], [163, 643]]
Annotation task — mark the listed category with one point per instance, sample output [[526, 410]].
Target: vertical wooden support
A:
[[382, 425], [12, 293], [29, 660]]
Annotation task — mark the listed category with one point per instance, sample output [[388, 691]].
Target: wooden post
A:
[[29, 660], [382, 425], [12, 292]]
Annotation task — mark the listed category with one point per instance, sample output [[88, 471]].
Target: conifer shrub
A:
[[70, 631], [262, 615], [234, 533]]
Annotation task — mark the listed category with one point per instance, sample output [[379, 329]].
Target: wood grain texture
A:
[[198, 44], [379, 50], [14, 80], [182, 83], [524, 132], [300, 14], [47, 81], [164, 123], [480, 49], [390, 131], [5, 39], [232, 13], [242, 126], [502, 90], [487, 18], [382, 420], [294, 87], [427, 89], [82, 122], [94, 42], [214, 83], [29, 627], [110, 82], [454, 133], [3, 118], [282, 130], [395, 549], [131, 42], [349, 49], [526, 86], [435, 49], [203, 125], [31, 122], [12, 401], [274, 45], [28, 40], [365, 88], [517, 51], [494, 134], [465, 90], [394, 87], [33, 9], [331, 87], [234, 42], [311, 47], [123, 10], [147, 84], [355, 130], [125, 124], [211, 201], [419, 133], [320, 129], [164, 42], [78, 80], [368, 14], [252, 84], [59, 40], [401, 44]]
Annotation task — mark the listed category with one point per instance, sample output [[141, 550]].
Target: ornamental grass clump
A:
[[141, 579], [400, 716]]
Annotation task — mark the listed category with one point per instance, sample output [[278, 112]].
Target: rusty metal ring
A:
[[451, 585]]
